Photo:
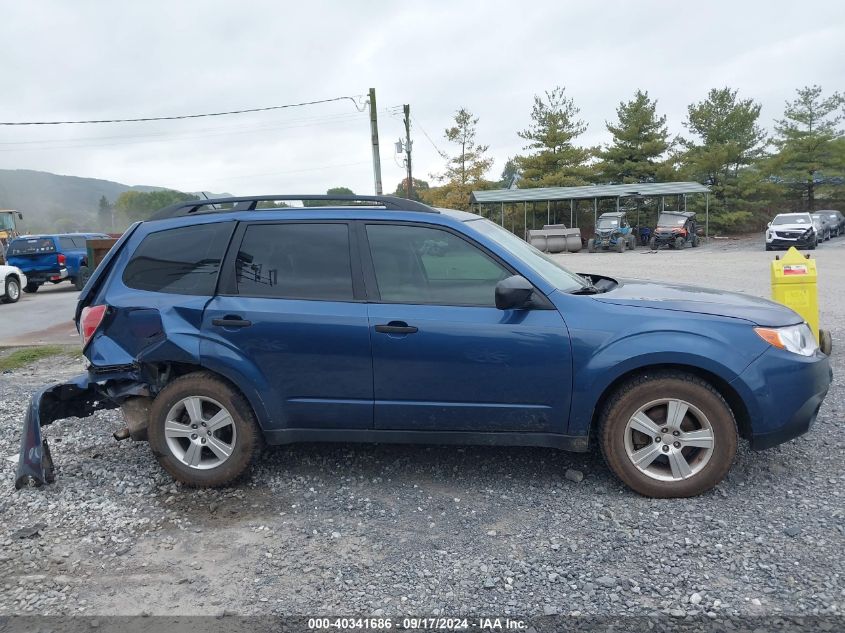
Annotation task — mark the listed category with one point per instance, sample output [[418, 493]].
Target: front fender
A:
[[622, 340]]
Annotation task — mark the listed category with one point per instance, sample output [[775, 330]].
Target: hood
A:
[[791, 227], [701, 301]]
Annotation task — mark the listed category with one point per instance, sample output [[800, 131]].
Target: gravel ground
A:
[[328, 529]]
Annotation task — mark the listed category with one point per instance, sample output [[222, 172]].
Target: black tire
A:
[[31, 287], [81, 277], [632, 242], [652, 244], [680, 243], [768, 248], [647, 388], [813, 245], [620, 244], [13, 291], [591, 245], [246, 446], [694, 241]]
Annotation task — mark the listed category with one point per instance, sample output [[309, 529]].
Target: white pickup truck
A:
[[12, 280]]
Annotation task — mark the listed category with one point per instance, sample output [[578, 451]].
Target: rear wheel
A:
[[13, 291], [81, 278], [31, 287], [202, 431], [632, 242], [668, 434], [694, 241]]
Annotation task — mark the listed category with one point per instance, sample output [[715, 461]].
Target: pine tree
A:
[[809, 142], [554, 159], [104, 214], [640, 141]]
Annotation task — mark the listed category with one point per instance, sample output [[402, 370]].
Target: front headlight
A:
[[798, 339]]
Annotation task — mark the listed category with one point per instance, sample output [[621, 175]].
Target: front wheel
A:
[[632, 242], [679, 243], [203, 431], [31, 287], [13, 291], [620, 245], [652, 244], [668, 434], [591, 245]]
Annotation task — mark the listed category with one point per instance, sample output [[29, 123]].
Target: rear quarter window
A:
[[32, 246], [185, 260]]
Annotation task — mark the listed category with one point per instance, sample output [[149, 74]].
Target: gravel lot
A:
[[328, 529]]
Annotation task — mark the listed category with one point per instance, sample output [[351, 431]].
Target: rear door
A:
[[444, 357], [290, 311]]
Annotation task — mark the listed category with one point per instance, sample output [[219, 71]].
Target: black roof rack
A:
[[249, 203]]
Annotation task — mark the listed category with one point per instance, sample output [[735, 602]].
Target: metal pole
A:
[[410, 186], [524, 219], [662, 203], [595, 211], [503, 215], [374, 139], [707, 217], [571, 203], [548, 211]]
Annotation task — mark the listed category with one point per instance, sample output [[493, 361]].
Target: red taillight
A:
[[90, 320], [62, 259]]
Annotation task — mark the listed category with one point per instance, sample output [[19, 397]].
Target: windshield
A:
[[551, 271], [7, 222], [608, 223], [792, 218], [671, 219]]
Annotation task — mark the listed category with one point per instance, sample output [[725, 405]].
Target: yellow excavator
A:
[[8, 230]]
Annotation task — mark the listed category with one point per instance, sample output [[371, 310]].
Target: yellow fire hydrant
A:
[[794, 279]]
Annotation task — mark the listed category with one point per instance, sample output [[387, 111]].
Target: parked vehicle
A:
[[822, 224], [837, 221], [51, 258], [12, 280], [675, 229], [791, 229], [218, 329], [8, 229], [612, 231]]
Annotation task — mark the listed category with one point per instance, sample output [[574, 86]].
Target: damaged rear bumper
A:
[[78, 398]]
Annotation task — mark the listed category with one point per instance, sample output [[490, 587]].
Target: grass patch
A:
[[23, 356]]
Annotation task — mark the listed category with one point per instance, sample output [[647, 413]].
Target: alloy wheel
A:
[[200, 432]]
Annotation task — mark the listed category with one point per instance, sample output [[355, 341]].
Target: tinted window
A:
[[67, 244], [32, 246], [180, 261], [295, 261], [416, 264]]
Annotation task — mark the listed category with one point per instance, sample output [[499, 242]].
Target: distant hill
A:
[[43, 197]]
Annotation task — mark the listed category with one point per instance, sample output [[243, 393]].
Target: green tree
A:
[[331, 191], [140, 205], [554, 159], [727, 140], [640, 142], [510, 174], [465, 170], [419, 186], [809, 143], [105, 219]]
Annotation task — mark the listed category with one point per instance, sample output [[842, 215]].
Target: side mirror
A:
[[769, 225], [20, 216], [513, 293]]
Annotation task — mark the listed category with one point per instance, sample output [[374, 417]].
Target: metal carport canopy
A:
[[543, 194]]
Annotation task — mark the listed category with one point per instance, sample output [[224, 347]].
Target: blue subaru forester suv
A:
[[218, 326]]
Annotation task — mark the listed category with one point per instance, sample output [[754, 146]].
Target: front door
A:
[[444, 358], [291, 315]]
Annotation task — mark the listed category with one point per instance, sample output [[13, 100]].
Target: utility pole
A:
[[409, 187], [374, 136]]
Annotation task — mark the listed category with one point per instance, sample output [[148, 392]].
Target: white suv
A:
[[791, 229]]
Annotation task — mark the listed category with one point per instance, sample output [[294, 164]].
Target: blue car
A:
[[51, 258], [218, 326]]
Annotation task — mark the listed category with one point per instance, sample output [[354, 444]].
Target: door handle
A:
[[396, 327], [231, 321]]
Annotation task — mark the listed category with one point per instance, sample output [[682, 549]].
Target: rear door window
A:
[[32, 246], [294, 260], [67, 244], [180, 261]]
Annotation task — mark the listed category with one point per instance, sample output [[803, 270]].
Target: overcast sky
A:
[[110, 59]]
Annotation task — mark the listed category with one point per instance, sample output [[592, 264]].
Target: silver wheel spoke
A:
[[193, 454], [193, 406], [703, 438], [219, 448], [176, 429], [675, 412], [678, 463], [644, 424], [219, 420], [643, 457]]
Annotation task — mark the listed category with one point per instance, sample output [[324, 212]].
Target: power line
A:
[[354, 100], [433, 144]]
